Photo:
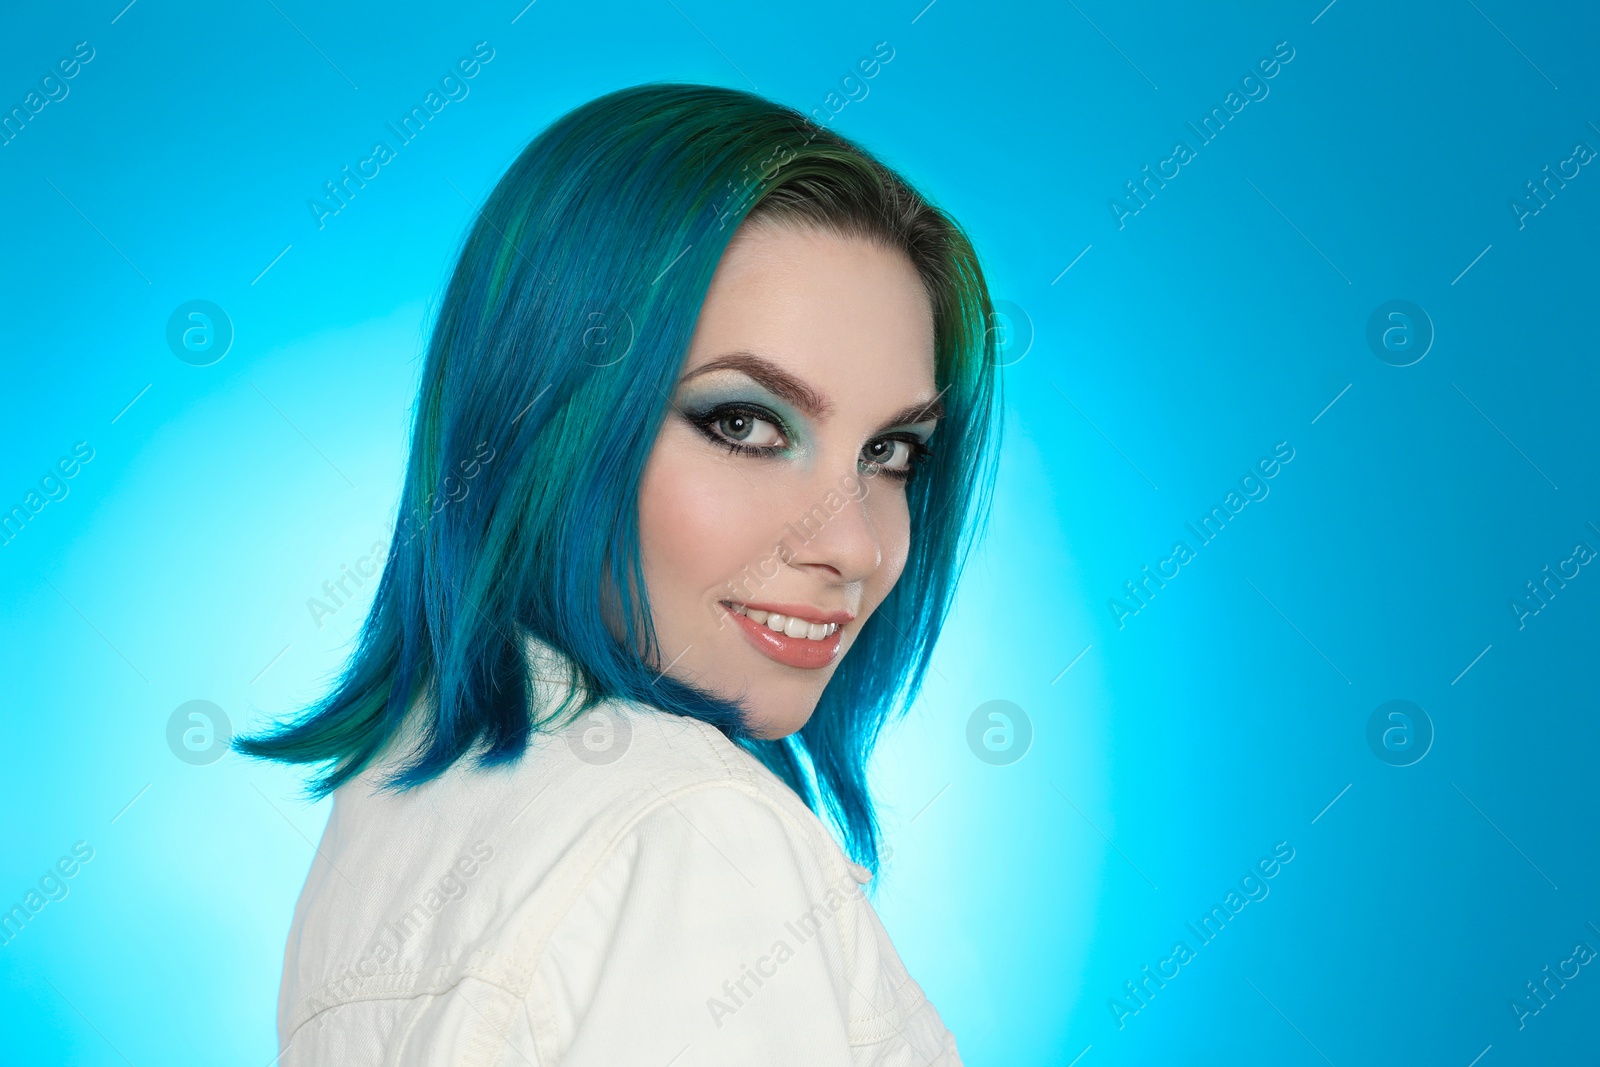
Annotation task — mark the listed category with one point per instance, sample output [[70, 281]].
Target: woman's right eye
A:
[[744, 430]]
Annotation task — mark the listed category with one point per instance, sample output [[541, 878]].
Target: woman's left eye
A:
[[890, 455], [894, 456]]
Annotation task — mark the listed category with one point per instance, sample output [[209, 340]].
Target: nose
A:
[[837, 536]]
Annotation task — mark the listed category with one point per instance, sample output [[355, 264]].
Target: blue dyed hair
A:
[[520, 502]]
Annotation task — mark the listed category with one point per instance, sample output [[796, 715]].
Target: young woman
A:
[[705, 431]]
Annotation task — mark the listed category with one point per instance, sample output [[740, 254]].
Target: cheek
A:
[[695, 527]]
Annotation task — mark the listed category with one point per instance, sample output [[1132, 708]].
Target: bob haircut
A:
[[519, 512]]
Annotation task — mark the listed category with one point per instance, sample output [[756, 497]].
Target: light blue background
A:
[[1224, 317]]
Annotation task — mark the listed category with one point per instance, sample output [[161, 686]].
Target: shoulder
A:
[[717, 919], [628, 787]]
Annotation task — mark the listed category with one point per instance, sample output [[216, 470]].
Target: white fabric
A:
[[678, 905]]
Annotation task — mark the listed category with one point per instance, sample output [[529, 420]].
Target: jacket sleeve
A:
[[720, 930]]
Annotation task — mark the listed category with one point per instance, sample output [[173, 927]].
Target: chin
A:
[[781, 708], [781, 724]]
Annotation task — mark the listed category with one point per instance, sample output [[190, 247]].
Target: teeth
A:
[[787, 625]]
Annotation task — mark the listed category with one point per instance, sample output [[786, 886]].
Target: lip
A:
[[794, 651]]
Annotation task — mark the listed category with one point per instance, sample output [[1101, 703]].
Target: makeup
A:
[[702, 402]]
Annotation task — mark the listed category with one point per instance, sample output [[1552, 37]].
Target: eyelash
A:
[[706, 423]]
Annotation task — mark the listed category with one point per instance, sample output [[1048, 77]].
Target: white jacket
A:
[[636, 889]]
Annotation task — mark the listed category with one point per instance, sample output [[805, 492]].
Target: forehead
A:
[[846, 314]]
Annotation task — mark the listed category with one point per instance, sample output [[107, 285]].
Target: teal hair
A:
[[557, 346]]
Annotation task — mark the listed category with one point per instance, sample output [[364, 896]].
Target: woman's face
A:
[[772, 513]]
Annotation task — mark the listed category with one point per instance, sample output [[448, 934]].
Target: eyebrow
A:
[[802, 395]]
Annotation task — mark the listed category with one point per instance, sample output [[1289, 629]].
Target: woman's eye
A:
[[747, 429], [895, 457], [889, 454]]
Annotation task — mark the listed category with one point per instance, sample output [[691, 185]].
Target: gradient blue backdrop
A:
[[1230, 313]]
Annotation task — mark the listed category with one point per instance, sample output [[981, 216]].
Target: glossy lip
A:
[[794, 651], [797, 611]]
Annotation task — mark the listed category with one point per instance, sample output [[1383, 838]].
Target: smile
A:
[[788, 625], [793, 639]]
